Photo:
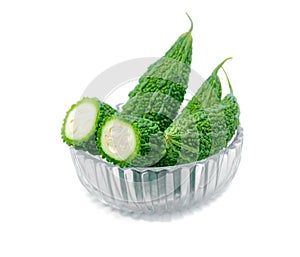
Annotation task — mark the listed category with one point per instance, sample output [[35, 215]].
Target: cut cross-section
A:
[[130, 142], [118, 139], [82, 121]]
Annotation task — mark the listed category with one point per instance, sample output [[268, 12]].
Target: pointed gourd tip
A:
[[220, 65], [191, 28], [228, 81]]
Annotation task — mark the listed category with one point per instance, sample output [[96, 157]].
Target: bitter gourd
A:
[[196, 134], [82, 121], [161, 89], [130, 141], [231, 111], [209, 93], [135, 136]]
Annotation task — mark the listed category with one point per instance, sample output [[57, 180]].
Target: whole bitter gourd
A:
[[161, 89], [196, 134], [82, 121], [134, 137]]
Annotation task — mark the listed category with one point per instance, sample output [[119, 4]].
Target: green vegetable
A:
[[231, 111], [196, 134], [135, 136], [209, 93], [82, 121], [130, 142], [161, 89]]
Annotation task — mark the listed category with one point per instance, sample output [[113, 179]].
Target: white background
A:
[[51, 50]]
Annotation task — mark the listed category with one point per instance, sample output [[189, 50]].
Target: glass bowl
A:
[[158, 189]]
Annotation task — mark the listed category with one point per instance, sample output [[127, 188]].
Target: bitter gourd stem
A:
[[191, 22], [229, 84], [220, 65]]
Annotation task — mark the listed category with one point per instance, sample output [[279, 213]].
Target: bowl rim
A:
[[236, 139]]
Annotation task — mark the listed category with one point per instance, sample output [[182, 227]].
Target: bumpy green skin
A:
[[89, 142], [232, 115], [209, 94], [150, 147], [161, 89], [195, 136]]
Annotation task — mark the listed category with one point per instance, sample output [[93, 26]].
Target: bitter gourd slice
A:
[[161, 89], [81, 123], [130, 141]]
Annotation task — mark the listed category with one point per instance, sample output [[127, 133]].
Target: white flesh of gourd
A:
[[118, 139], [80, 121]]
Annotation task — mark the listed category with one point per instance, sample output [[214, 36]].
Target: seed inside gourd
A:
[[118, 139]]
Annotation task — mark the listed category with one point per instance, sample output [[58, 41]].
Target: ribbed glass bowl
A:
[[163, 189]]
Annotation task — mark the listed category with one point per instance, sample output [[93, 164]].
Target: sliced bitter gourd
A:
[[130, 142], [161, 89], [81, 123], [196, 134]]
